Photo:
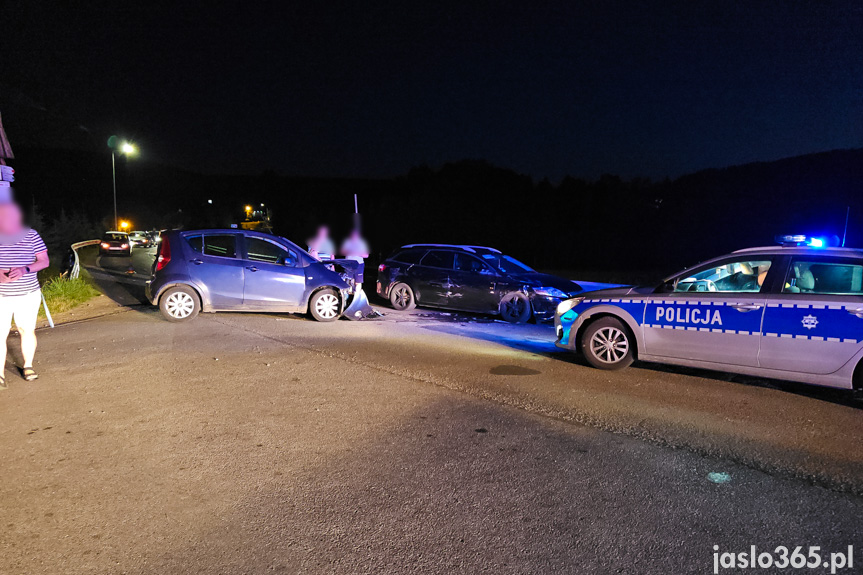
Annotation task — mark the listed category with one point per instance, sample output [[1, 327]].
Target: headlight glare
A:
[[549, 292], [567, 305]]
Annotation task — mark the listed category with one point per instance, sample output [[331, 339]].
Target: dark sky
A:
[[371, 88]]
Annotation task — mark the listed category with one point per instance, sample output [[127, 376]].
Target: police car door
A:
[[815, 324], [711, 314]]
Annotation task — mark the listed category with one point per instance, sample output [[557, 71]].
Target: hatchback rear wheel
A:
[[179, 303], [608, 344], [324, 305]]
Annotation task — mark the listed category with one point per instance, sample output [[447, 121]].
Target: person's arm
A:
[[41, 263]]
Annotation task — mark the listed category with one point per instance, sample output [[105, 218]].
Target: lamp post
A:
[[126, 148]]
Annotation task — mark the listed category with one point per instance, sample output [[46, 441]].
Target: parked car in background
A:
[[793, 311], [470, 278], [115, 243], [139, 239], [243, 270]]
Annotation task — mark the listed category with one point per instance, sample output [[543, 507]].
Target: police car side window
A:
[[737, 276], [810, 276]]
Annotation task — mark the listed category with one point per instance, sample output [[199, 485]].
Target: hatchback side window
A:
[[438, 259], [196, 242], [258, 250], [809, 276], [223, 246], [736, 276]]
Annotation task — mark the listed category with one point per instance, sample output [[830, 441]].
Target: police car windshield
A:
[[737, 276], [506, 264]]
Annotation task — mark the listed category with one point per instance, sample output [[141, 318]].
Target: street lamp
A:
[[128, 149], [124, 225]]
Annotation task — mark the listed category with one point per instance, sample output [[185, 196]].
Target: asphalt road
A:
[[415, 443]]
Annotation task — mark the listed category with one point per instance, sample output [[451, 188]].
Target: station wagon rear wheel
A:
[[179, 303], [402, 297], [324, 305], [608, 344]]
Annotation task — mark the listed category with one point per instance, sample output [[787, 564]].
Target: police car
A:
[[793, 312]]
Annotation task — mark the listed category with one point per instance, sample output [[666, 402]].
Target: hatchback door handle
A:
[[252, 268], [746, 306], [197, 262]]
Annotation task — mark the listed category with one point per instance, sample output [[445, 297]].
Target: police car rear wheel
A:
[[607, 344], [402, 297]]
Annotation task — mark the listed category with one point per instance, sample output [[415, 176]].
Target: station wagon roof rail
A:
[[467, 248]]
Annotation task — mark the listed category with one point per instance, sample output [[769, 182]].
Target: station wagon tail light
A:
[[106, 245], [124, 245], [164, 254]]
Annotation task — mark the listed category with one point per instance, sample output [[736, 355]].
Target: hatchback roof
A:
[[467, 248]]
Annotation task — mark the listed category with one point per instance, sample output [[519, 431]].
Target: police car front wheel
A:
[[608, 344]]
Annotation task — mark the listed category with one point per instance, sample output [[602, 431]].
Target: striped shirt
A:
[[19, 255]]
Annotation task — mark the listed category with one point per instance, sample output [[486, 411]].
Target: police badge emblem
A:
[[810, 321]]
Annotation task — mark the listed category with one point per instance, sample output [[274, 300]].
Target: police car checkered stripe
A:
[[750, 333]]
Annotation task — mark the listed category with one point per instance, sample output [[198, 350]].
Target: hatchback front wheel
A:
[[324, 305]]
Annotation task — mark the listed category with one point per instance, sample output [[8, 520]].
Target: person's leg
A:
[[25, 313], [5, 325], [358, 278]]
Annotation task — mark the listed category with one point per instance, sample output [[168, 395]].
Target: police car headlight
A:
[[567, 305], [549, 292]]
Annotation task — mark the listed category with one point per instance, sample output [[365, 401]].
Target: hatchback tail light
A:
[[164, 254], [106, 245], [382, 267]]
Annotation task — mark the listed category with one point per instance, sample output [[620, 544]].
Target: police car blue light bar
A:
[[800, 240]]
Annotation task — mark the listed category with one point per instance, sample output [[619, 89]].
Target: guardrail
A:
[[76, 267]]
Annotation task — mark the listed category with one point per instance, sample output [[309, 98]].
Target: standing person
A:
[[321, 246], [22, 254], [355, 248]]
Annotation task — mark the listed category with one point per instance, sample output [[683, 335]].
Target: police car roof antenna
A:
[[845, 233], [356, 214]]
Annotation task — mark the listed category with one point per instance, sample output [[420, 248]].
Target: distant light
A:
[[816, 243], [209, 201], [248, 208], [262, 205], [719, 477], [128, 148]]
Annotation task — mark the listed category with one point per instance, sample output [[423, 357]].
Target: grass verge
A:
[[63, 294]]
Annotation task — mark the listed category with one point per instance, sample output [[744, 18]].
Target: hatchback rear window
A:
[[222, 246], [115, 237]]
